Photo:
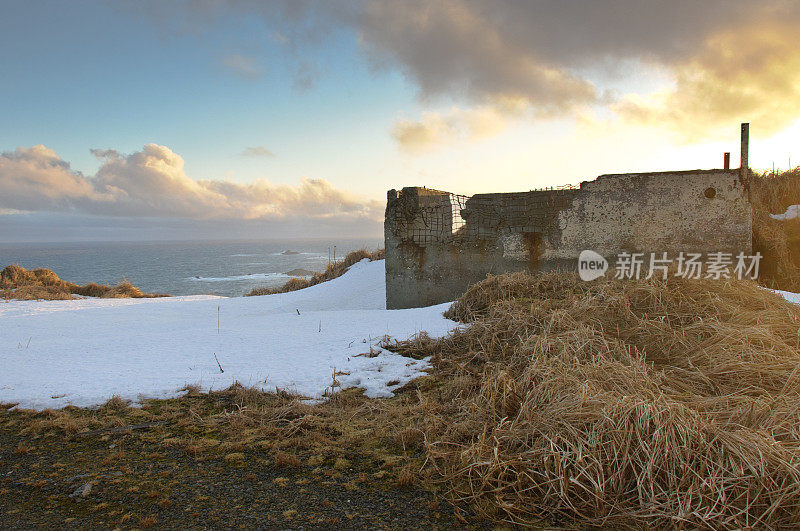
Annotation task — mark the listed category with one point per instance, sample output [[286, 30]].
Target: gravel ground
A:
[[123, 480]]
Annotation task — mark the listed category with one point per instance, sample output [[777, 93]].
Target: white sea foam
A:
[[254, 276]]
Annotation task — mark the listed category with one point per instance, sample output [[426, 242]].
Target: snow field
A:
[[82, 352]]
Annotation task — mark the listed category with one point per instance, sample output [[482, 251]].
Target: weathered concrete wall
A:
[[438, 244]]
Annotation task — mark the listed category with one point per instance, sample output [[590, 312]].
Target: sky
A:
[[178, 119]]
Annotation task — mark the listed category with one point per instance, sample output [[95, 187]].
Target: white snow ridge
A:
[[82, 352]]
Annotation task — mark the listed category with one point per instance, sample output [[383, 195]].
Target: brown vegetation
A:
[[334, 270], [666, 403], [644, 403], [619, 403], [241, 424], [19, 283], [777, 240]]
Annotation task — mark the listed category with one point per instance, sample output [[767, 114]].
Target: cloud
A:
[[436, 130], [729, 60], [540, 49], [36, 178], [750, 74], [305, 77], [465, 47], [256, 151], [152, 182], [246, 67]]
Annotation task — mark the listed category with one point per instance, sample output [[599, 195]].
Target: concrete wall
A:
[[438, 243]]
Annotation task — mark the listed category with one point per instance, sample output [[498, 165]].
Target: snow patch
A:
[[82, 352], [791, 213], [788, 295]]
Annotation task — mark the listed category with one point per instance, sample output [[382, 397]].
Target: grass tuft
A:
[[148, 521], [116, 403], [43, 284], [284, 460]]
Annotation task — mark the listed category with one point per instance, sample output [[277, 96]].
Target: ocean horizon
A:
[[228, 268]]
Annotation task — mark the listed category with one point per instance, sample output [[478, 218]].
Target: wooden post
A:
[[727, 160], [745, 154]]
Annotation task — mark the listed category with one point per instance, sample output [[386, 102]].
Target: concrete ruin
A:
[[439, 243]]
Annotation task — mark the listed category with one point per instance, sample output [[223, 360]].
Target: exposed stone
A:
[[83, 490], [300, 272]]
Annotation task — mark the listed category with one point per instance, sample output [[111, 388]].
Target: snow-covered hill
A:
[[82, 352]]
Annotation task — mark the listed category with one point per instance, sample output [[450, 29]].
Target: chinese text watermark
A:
[[716, 266]]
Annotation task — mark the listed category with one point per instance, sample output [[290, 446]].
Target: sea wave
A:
[[254, 276], [296, 253]]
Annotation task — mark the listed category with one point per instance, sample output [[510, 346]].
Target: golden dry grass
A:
[[656, 403], [19, 283], [334, 270], [641, 403], [777, 240], [286, 460]]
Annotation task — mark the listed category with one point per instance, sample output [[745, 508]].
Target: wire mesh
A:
[[454, 217]]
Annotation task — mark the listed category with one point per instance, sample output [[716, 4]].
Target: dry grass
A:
[[248, 425], [334, 270], [777, 240], [644, 403], [19, 283], [116, 403], [649, 403], [148, 521], [284, 460]]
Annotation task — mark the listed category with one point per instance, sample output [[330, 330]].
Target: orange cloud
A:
[[731, 61], [438, 129], [153, 182], [749, 74]]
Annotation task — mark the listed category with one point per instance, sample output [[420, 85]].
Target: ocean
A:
[[227, 268]]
